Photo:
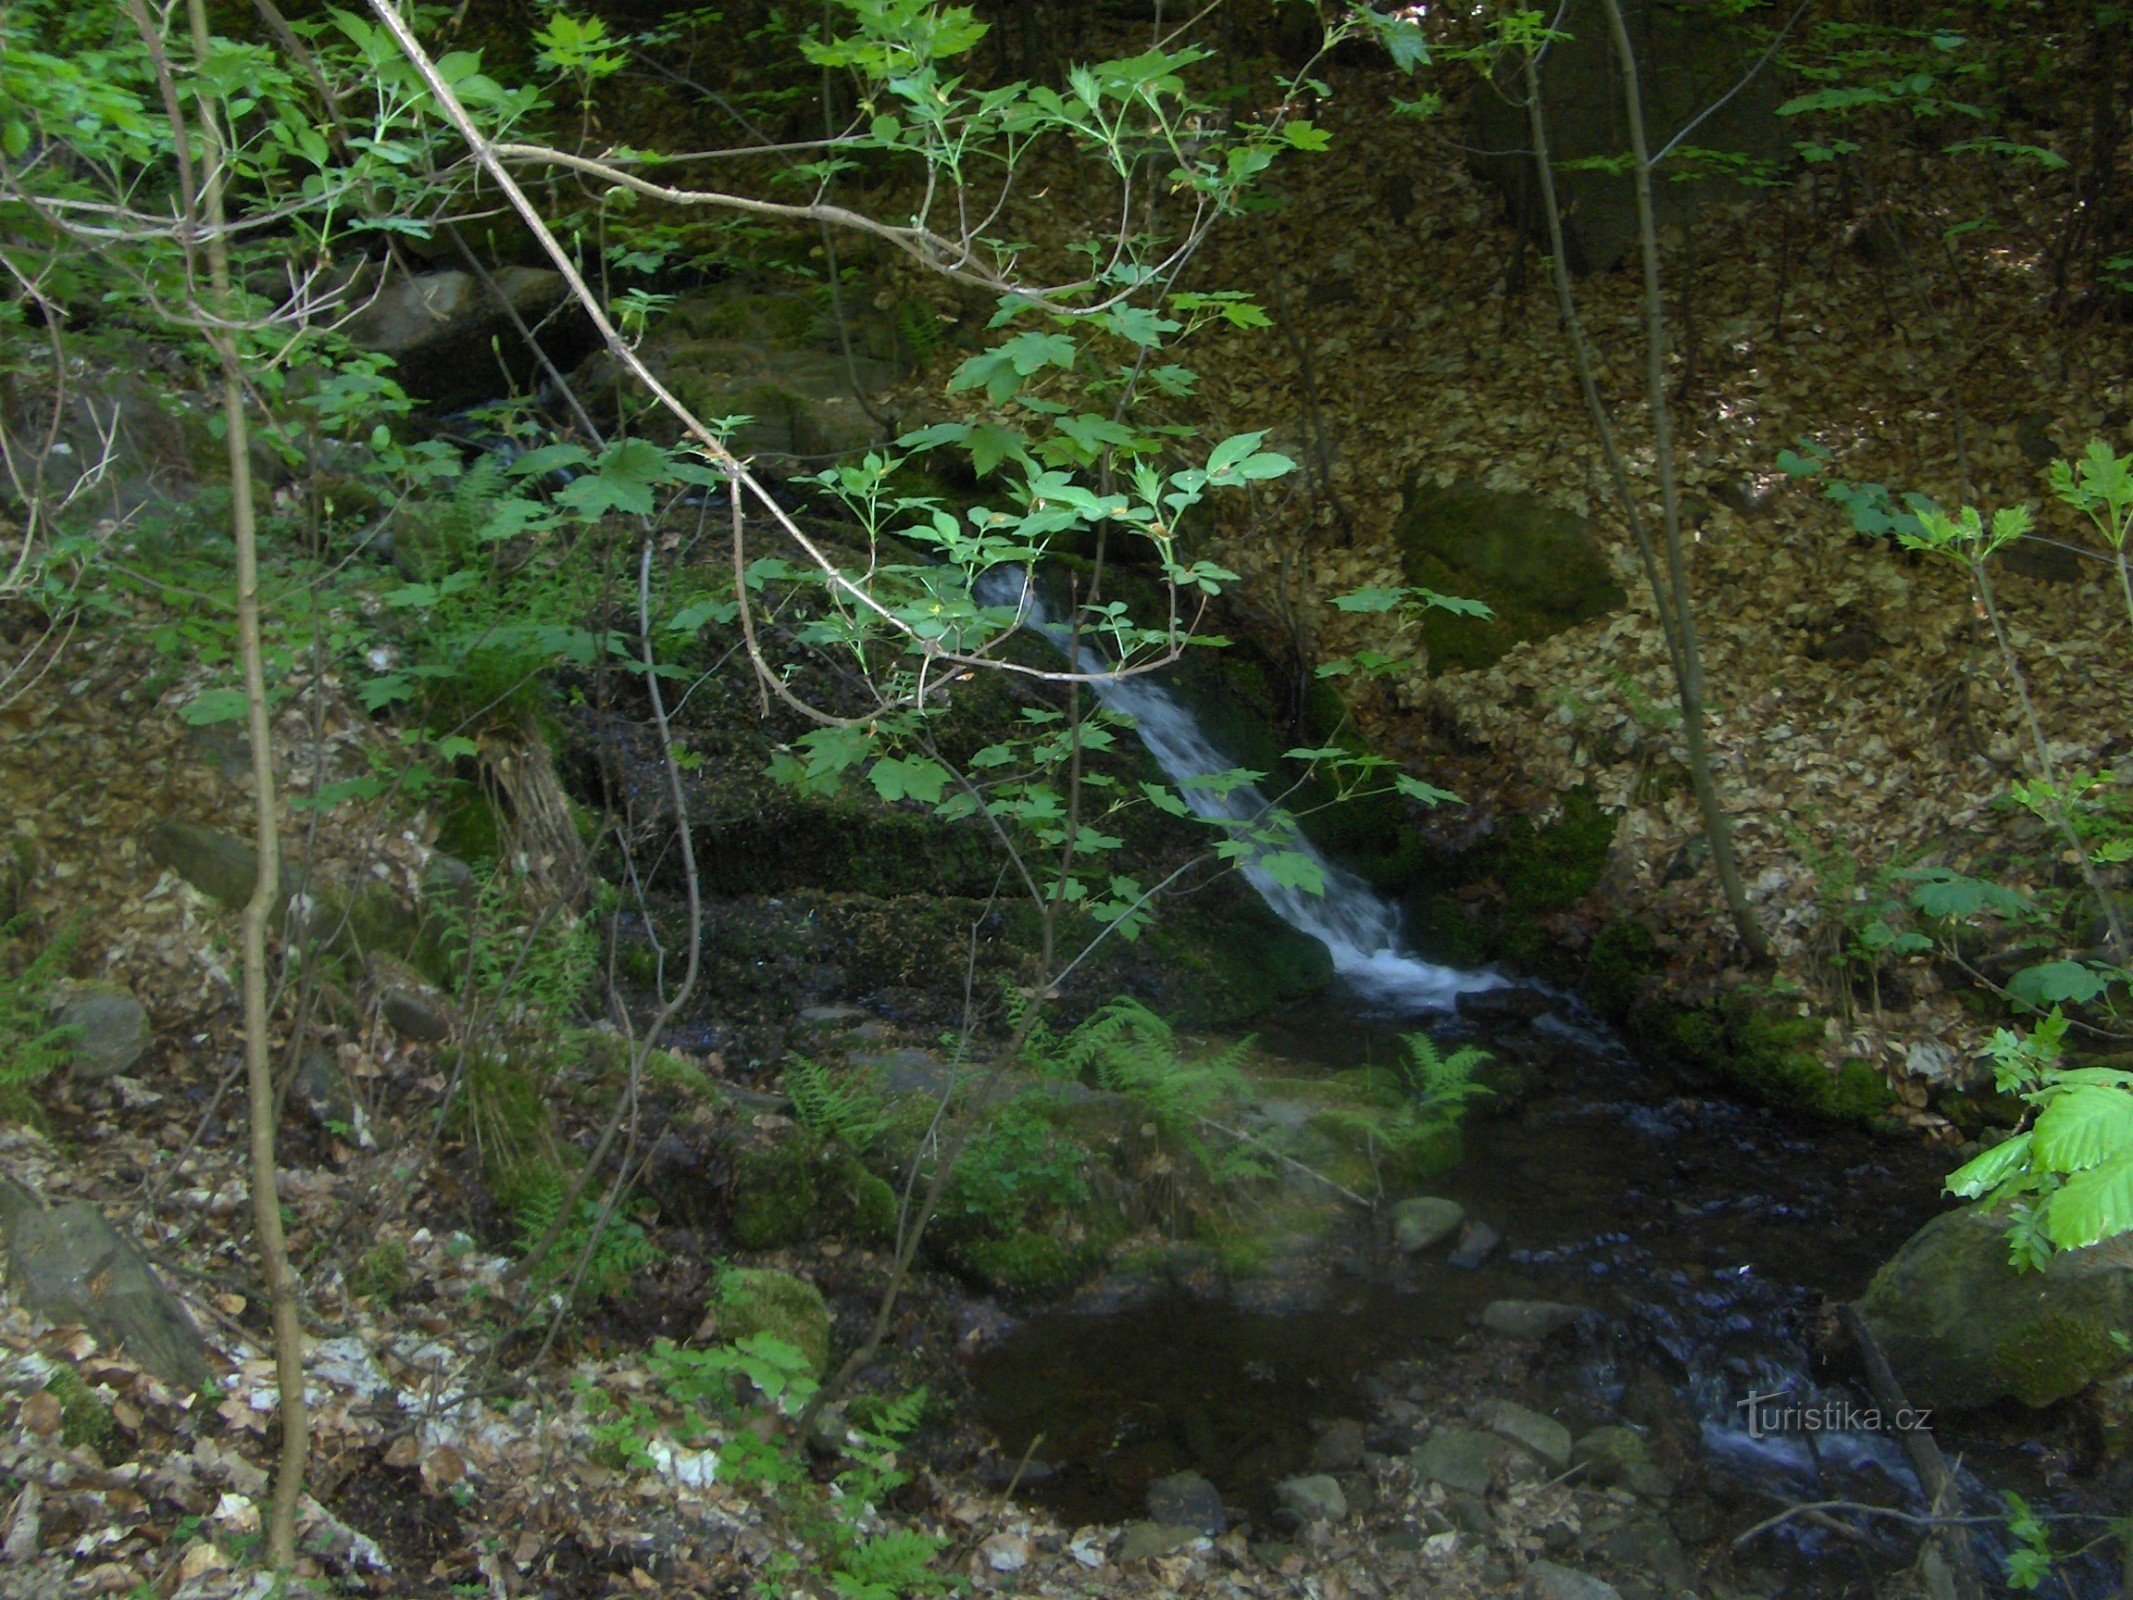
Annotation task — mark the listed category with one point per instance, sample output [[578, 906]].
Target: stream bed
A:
[[1703, 1238]]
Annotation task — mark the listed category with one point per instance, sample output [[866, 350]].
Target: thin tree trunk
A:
[[259, 911], [1669, 587]]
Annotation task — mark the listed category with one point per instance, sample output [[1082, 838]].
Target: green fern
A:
[[31, 1048], [1437, 1084], [889, 1566], [1127, 1049], [849, 1109]]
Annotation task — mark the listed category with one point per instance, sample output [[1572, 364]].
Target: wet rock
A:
[[1963, 1329], [1339, 1448], [1462, 1458], [1314, 1498], [1423, 1221], [1146, 1540], [1505, 1006], [1529, 1319], [1187, 1500], [1544, 1436], [832, 1018], [109, 1029], [1547, 1581], [1476, 1244], [753, 1300], [211, 861], [1622, 1456], [70, 1265], [438, 327]]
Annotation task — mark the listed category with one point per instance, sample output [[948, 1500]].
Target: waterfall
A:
[[1359, 927]]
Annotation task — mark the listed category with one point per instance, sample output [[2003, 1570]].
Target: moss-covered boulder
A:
[[773, 357], [1964, 1329], [753, 1300], [1536, 564], [800, 1187]]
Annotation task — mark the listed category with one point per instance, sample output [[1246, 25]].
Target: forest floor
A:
[[1861, 721]]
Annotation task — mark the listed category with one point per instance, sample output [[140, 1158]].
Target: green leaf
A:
[[2059, 981], [1984, 1173], [2083, 1127], [2093, 1206], [898, 778], [1369, 600], [215, 705], [1428, 793], [1940, 892]]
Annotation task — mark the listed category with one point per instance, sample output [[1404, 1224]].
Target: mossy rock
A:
[[800, 1188], [1617, 963], [1034, 1266], [759, 1300], [1963, 1328], [1536, 565], [84, 1419]]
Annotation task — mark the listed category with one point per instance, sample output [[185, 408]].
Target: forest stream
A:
[[1692, 1240]]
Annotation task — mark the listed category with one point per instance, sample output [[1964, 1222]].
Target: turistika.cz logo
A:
[[1779, 1413]]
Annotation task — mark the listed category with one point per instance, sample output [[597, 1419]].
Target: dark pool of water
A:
[[1705, 1232]]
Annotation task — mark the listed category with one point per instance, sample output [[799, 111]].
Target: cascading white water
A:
[[1358, 927]]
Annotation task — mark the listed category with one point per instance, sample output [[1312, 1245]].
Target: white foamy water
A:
[[1359, 927]]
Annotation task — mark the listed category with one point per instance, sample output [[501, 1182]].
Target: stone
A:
[[1187, 1500], [1543, 1435], [1423, 1221], [108, 1029], [773, 356], [1545, 1580], [1508, 1005], [1006, 1552], [1528, 1319], [753, 1300], [1691, 61], [1340, 1448], [1313, 1498], [1537, 565], [1462, 1458], [322, 1091], [1476, 1244], [1617, 1455], [68, 1264], [412, 1008], [211, 861], [1146, 1540], [832, 1017], [438, 328], [1642, 1541], [1963, 1329]]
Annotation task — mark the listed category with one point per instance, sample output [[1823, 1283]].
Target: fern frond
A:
[[848, 1109]]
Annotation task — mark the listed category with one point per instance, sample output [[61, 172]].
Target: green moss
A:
[[83, 1418], [2055, 1355], [1032, 1265], [775, 1196], [801, 1188], [1536, 565], [1757, 1043], [757, 1300], [472, 830], [1622, 955], [382, 1273], [1553, 867]]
